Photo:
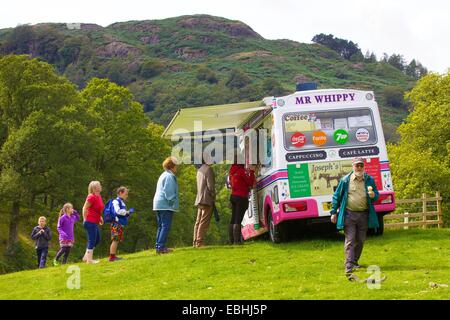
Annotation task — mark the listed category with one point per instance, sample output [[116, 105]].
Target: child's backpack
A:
[[109, 214]]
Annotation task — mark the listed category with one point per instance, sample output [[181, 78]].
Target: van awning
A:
[[219, 117]]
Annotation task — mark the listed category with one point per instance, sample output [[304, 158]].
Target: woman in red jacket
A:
[[241, 181]]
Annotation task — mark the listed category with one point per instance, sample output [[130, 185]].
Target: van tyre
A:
[[379, 231], [275, 231]]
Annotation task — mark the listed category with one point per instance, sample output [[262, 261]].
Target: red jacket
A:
[[241, 180]]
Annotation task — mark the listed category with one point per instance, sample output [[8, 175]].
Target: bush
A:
[[151, 68], [393, 96], [238, 79], [19, 257], [206, 74]]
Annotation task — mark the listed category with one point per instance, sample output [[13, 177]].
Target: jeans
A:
[[164, 221], [93, 233], [41, 256]]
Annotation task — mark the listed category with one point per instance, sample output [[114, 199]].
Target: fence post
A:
[[424, 210], [439, 209], [406, 220]]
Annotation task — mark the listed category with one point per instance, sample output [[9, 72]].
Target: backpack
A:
[[109, 214]]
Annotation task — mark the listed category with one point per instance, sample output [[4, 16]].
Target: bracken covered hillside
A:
[[200, 60]]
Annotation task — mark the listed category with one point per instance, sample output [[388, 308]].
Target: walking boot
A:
[[231, 233], [237, 234]]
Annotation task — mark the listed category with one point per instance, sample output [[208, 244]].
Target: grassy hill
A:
[[311, 268], [189, 61]]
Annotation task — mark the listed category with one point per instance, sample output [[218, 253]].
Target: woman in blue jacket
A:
[[165, 203]]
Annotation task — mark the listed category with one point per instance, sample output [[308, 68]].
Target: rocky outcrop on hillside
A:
[[117, 49], [235, 29]]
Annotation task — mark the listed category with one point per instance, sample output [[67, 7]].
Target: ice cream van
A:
[[302, 144]]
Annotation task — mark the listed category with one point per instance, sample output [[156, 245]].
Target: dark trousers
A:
[[63, 251], [238, 207], [93, 233], [355, 230], [41, 257]]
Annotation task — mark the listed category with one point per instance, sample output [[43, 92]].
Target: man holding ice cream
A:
[[353, 211]]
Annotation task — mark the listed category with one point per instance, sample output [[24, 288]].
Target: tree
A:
[[397, 61], [345, 48], [125, 148], [19, 41], [370, 57], [38, 148], [47, 43], [415, 69], [420, 162]]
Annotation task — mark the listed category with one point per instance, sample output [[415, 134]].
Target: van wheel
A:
[[379, 231], [275, 231]]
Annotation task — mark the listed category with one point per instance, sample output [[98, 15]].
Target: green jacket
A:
[[340, 201]]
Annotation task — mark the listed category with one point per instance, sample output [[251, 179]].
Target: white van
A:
[[313, 135]]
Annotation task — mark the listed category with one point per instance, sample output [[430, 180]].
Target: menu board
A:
[[298, 175]]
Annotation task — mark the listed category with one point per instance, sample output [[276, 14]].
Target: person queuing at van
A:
[[205, 200], [92, 217], [165, 203], [42, 235], [241, 180], [67, 219], [353, 211], [119, 222]]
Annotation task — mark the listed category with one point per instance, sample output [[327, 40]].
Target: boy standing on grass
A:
[[42, 235], [121, 220]]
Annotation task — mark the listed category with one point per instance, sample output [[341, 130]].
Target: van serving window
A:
[[328, 129]]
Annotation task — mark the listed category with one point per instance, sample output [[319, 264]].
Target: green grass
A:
[[304, 269]]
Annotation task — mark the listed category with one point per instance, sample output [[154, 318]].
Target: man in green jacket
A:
[[354, 197]]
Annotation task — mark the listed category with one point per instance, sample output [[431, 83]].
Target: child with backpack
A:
[[67, 218], [42, 235], [116, 213]]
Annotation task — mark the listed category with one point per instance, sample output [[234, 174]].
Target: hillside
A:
[[308, 269], [199, 60]]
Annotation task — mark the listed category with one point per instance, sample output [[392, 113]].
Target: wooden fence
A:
[[422, 218]]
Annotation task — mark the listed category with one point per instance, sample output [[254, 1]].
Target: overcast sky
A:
[[416, 29]]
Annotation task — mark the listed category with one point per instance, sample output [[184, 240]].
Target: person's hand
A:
[[101, 221], [131, 211], [370, 192], [334, 218]]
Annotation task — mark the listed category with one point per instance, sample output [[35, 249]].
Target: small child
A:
[[67, 218], [121, 220], [42, 235]]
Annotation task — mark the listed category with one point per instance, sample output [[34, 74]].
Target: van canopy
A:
[[219, 117]]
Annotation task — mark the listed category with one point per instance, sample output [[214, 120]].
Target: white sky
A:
[[416, 29]]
